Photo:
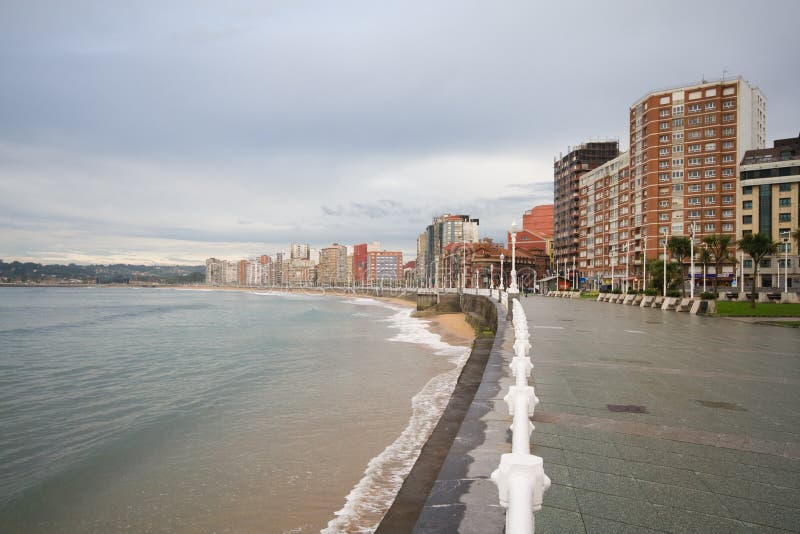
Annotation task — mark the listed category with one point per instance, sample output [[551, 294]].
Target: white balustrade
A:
[[520, 478]]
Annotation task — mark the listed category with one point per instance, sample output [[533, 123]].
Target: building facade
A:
[[299, 251], [384, 265], [443, 231], [566, 184], [332, 268], [769, 192], [685, 144], [359, 264]]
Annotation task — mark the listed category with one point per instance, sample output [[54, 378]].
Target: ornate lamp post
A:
[[502, 260], [692, 229], [627, 261], [785, 265], [512, 287]]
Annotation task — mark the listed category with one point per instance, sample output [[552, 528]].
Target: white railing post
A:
[[520, 478]]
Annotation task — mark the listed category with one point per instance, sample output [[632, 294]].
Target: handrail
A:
[[520, 478]]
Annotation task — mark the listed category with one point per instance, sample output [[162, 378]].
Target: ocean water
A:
[[160, 410]]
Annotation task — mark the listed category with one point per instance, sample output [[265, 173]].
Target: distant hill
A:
[[28, 272]]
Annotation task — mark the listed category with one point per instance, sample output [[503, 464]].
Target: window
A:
[[663, 151], [748, 264], [711, 146], [677, 148], [663, 164], [663, 126], [727, 227], [663, 139], [727, 145], [693, 108], [663, 216], [785, 202], [784, 217], [783, 264], [694, 214], [678, 162], [711, 132], [785, 187], [727, 172], [677, 174], [727, 199], [766, 263], [710, 119], [677, 123], [727, 186], [747, 190], [694, 121], [677, 136], [694, 188], [695, 134], [747, 204], [728, 104], [711, 187], [710, 173], [727, 158], [728, 117], [711, 200], [693, 148], [677, 110], [711, 105], [663, 203], [694, 161], [693, 175], [710, 160], [663, 177], [663, 113], [677, 188], [710, 213], [727, 131], [747, 219], [709, 227], [693, 201], [727, 213]]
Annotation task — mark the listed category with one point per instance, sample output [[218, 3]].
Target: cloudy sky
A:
[[167, 132]]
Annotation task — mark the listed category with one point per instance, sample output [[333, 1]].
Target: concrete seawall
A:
[[431, 498]]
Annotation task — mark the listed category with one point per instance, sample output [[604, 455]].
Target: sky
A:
[[169, 132]]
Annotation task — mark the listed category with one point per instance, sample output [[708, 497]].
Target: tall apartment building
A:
[[332, 269], [359, 263], [685, 145], [299, 251], [610, 211], [444, 230], [384, 265], [278, 269], [769, 189], [566, 179]]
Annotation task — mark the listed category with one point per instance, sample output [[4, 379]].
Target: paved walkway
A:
[[716, 447]]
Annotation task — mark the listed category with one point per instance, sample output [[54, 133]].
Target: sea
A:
[[167, 410]]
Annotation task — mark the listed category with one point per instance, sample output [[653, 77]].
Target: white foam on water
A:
[[369, 500]]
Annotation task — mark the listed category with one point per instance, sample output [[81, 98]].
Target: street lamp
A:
[[613, 261], [666, 237], [627, 260], [574, 275], [692, 229], [785, 265], [644, 264], [502, 260], [513, 286], [491, 274], [704, 245]]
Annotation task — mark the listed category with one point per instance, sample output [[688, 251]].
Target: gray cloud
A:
[[267, 122]]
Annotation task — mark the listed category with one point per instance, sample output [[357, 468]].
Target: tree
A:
[[718, 246], [680, 247], [796, 237], [655, 268], [756, 246], [706, 258]]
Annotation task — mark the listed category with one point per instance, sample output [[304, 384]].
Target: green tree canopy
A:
[[757, 246]]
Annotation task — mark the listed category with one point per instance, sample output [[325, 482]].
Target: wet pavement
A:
[[648, 421]]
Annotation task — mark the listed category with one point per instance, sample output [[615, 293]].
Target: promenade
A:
[[649, 421]]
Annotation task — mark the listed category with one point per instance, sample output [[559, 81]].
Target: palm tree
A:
[[756, 246], [718, 247], [680, 246], [706, 258], [674, 274]]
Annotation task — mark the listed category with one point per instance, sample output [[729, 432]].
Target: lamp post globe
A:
[[502, 260]]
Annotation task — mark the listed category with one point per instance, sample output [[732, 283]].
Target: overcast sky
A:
[[168, 132]]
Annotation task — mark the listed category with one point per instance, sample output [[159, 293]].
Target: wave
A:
[[368, 501]]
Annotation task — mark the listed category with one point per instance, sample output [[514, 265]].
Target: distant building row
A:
[[337, 265]]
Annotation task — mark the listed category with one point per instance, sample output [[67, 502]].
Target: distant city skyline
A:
[[144, 133]]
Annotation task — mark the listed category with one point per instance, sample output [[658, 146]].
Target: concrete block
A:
[[601, 297], [658, 301], [789, 298], [762, 297], [703, 307], [628, 299], [670, 303], [637, 299], [647, 301], [684, 305]]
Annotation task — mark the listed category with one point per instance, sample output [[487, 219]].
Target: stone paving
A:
[[707, 439]]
